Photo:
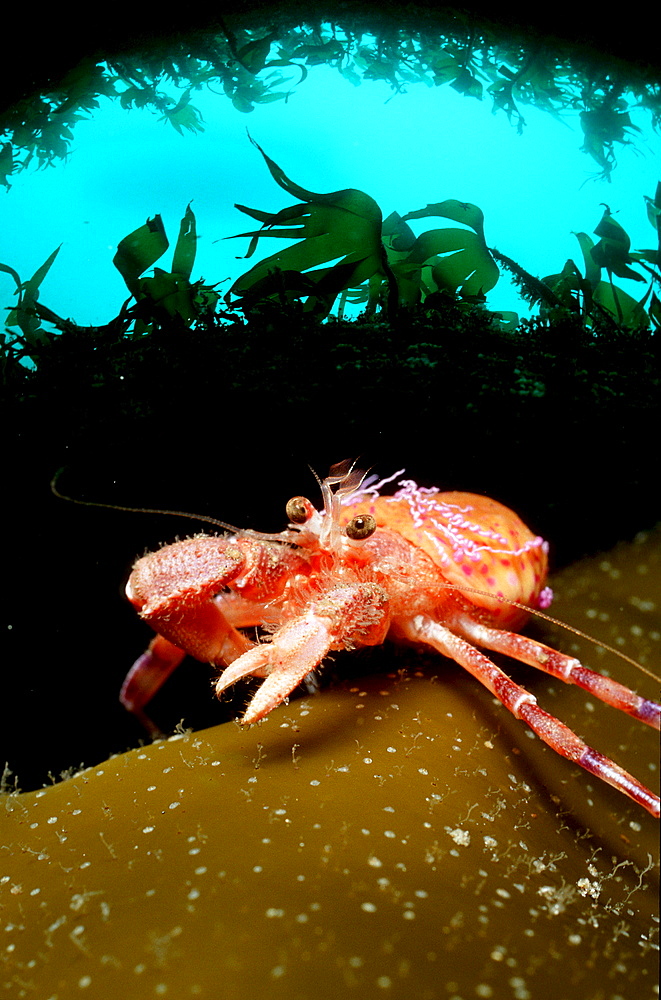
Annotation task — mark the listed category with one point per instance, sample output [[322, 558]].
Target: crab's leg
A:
[[149, 672], [355, 614], [180, 590], [568, 669], [295, 650], [523, 705]]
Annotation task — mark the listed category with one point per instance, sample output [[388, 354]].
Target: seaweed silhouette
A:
[[170, 293], [346, 226], [256, 65], [345, 249], [342, 224], [384, 262], [590, 295]]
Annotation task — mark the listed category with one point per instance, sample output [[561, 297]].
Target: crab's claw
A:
[[345, 616]]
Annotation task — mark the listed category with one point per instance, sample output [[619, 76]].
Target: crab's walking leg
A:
[[523, 705], [568, 669], [356, 614], [149, 672]]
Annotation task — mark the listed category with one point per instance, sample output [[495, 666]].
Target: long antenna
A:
[[554, 621], [157, 510]]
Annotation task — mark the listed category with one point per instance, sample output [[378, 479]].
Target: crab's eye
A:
[[361, 526], [299, 510]]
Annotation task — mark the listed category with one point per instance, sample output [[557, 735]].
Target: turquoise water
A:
[[405, 150]]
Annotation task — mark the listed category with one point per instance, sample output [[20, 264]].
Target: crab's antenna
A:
[[554, 621], [317, 479], [157, 510]]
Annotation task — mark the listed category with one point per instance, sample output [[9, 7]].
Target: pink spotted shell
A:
[[477, 542]]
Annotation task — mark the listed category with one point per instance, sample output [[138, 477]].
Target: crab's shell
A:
[[477, 543]]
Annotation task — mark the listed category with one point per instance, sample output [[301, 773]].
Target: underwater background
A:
[[407, 148], [221, 416]]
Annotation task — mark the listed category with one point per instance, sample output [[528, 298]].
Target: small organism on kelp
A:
[[450, 571]]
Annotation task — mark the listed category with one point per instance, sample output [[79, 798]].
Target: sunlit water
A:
[[405, 150]]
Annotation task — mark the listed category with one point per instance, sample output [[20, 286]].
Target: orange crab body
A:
[[476, 543], [452, 571]]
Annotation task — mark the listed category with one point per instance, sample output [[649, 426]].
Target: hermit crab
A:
[[451, 571]]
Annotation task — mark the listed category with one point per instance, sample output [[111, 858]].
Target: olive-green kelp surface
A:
[[396, 836]]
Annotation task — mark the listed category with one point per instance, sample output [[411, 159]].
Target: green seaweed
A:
[[343, 224], [347, 225], [375, 262], [592, 296], [25, 314], [258, 65], [169, 293]]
